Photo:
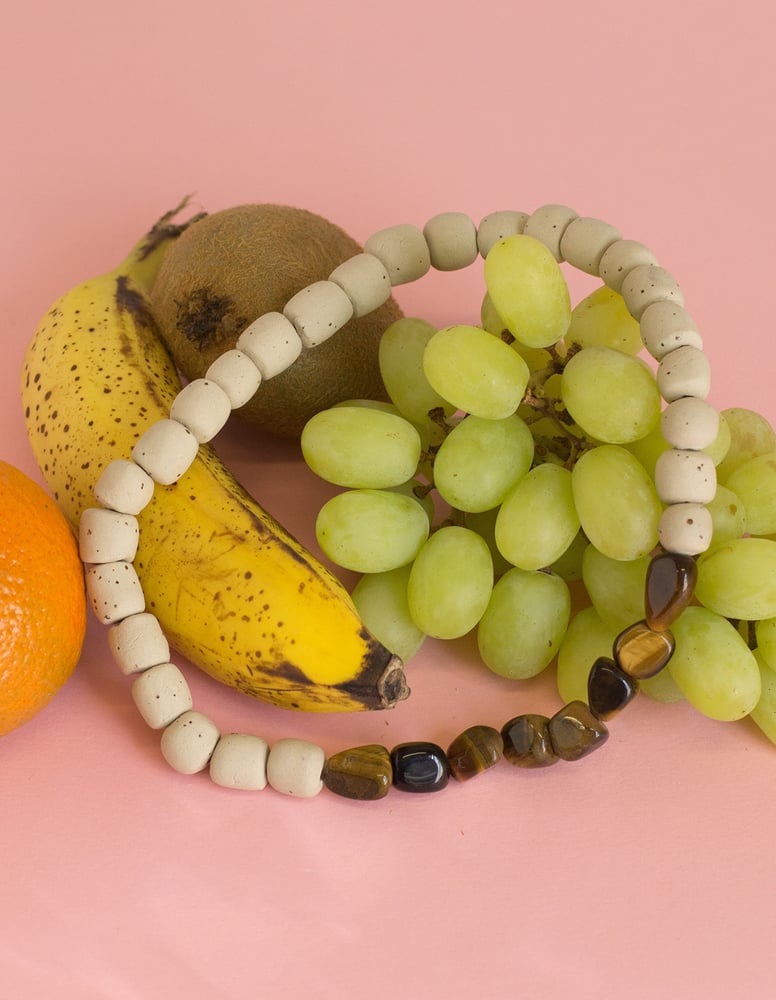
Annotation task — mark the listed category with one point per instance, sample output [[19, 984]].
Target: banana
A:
[[234, 592]]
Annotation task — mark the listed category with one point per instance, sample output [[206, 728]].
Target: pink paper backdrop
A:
[[646, 872]]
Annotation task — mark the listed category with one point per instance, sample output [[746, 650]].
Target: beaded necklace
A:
[[685, 481]]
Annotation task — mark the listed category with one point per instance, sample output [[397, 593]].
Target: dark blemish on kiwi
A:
[[202, 317]]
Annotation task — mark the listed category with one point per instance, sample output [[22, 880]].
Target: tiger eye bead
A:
[[641, 652], [575, 731], [527, 741], [670, 584], [474, 751], [363, 773], [609, 689]]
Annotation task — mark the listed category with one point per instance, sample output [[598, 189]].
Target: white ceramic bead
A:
[[294, 767], [365, 281], [665, 326], [620, 259], [498, 226], [403, 251], [683, 476], [452, 241], [272, 344], [584, 241], [240, 761], [646, 284], [188, 743], [124, 486], [114, 591], [138, 643], [237, 375], [203, 407], [689, 422], [684, 372], [107, 536], [165, 451], [548, 224], [685, 528], [161, 695], [318, 311]]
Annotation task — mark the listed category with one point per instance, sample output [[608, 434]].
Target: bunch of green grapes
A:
[[511, 478]]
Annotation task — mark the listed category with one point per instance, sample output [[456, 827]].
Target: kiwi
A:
[[234, 265]]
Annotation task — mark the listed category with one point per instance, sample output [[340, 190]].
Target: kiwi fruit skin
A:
[[234, 265]]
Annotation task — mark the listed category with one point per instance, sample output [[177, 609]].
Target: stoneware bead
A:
[[123, 486], [684, 372], [575, 731], [642, 652], [318, 311], [237, 375], [690, 422], [419, 767], [498, 226], [664, 326], [203, 407], [272, 344], [114, 591], [584, 241], [294, 767], [618, 260], [609, 689], [527, 741], [647, 284], [685, 528], [364, 773], [165, 451], [240, 761], [669, 588], [138, 643], [548, 224], [188, 743], [474, 751], [685, 477], [107, 536], [161, 695], [452, 241], [365, 281], [403, 251]]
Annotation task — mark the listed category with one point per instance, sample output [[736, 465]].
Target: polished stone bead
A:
[[527, 741], [363, 773], [642, 652], [609, 689], [669, 588], [474, 751], [575, 731], [419, 767]]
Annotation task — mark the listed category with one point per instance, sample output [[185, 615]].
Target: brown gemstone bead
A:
[[609, 689], [670, 584], [361, 773], [474, 751], [527, 741], [575, 731], [642, 652]]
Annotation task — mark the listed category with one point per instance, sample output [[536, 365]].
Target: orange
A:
[[42, 599]]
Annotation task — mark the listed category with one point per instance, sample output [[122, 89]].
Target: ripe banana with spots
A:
[[234, 592]]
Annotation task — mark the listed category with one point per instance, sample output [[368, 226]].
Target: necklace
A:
[[685, 481]]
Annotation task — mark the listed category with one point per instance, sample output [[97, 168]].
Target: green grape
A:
[[712, 665], [662, 687], [764, 712], [480, 460], [611, 395], [615, 587], [738, 579], [484, 523], [535, 357], [765, 633], [719, 447], [649, 448], [754, 483], [750, 435], [360, 446], [528, 290], [475, 371], [569, 565], [728, 516], [371, 531], [586, 638], [450, 582], [602, 320], [616, 501], [538, 521], [400, 356], [420, 493], [381, 602], [524, 623], [369, 404]]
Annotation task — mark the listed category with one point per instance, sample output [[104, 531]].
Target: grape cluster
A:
[[511, 478]]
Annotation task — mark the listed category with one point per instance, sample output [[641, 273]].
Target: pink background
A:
[[646, 872]]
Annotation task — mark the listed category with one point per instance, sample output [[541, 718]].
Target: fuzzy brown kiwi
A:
[[237, 264]]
